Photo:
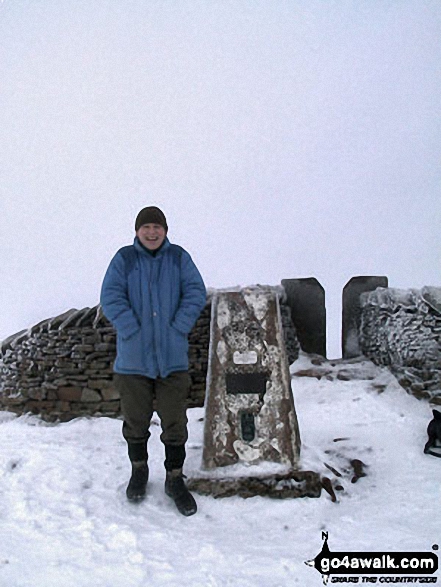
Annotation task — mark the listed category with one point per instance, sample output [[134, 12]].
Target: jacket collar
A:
[[140, 248]]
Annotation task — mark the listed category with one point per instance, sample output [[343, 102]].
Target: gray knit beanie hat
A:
[[151, 215]]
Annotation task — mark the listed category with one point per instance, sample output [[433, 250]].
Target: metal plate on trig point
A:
[[246, 383], [248, 426], [247, 358]]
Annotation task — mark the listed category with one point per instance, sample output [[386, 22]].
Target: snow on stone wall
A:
[[402, 329], [61, 368]]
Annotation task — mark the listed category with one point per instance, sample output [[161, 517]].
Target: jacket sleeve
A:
[[115, 299], [193, 296]]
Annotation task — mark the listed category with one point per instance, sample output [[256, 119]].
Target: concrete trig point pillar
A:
[[250, 417]]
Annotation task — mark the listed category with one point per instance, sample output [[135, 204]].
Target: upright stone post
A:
[[250, 417], [306, 299], [352, 311]]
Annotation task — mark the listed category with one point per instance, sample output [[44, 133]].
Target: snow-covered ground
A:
[[65, 521]]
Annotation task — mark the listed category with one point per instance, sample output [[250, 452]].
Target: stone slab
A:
[[9, 342], [306, 300], [432, 297], [55, 322], [351, 316], [69, 393]]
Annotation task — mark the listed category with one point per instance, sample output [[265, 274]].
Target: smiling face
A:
[[151, 235]]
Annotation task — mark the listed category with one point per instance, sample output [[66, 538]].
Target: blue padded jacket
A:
[[153, 303]]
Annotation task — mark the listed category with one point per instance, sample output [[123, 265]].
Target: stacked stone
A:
[[62, 367], [402, 329], [198, 343]]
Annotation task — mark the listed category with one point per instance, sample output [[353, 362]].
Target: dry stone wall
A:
[[402, 329], [62, 368]]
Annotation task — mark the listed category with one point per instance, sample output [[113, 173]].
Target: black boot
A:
[[174, 482], [136, 489], [176, 489]]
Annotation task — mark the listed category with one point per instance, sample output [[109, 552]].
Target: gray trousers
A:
[[141, 395]]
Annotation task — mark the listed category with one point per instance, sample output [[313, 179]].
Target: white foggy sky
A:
[[282, 139]]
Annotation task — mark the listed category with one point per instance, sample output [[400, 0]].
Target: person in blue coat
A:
[[153, 294]]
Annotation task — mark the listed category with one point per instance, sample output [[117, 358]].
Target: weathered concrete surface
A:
[[351, 317], [289, 485], [306, 299], [250, 415]]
